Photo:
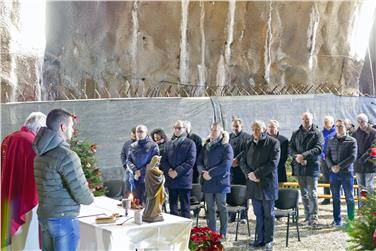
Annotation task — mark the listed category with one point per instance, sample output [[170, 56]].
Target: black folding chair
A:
[[287, 205], [235, 201], [196, 200], [115, 188]]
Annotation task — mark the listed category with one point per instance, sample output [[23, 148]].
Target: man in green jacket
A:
[[61, 183]]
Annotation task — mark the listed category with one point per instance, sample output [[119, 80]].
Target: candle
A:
[[126, 205]]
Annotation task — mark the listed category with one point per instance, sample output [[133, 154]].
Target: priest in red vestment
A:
[[18, 190]]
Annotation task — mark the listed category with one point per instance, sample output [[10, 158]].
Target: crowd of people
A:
[[39, 156], [258, 160]]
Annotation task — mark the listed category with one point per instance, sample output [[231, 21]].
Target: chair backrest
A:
[[115, 188], [238, 195], [287, 199], [197, 193]]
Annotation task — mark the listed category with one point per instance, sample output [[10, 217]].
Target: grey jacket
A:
[[365, 140], [341, 152], [61, 183]]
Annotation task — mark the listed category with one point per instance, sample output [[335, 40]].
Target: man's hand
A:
[[300, 159], [336, 168], [235, 163], [253, 177], [205, 175], [172, 173], [137, 174]]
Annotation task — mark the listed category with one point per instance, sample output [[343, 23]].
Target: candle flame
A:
[[130, 197]]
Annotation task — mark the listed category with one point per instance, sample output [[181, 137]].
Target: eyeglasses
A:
[[139, 131], [340, 126], [178, 127]]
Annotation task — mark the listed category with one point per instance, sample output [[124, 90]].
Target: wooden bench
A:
[[321, 196]]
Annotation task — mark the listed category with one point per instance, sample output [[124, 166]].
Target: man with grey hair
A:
[[177, 163], [18, 202], [259, 163], [273, 131], [328, 132], [305, 148], [365, 169], [198, 143], [140, 154]]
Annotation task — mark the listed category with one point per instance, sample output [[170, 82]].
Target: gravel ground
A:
[[323, 238]]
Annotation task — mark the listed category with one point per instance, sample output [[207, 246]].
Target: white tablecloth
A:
[[171, 234]]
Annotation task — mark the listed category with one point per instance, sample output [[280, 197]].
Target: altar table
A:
[[171, 234]]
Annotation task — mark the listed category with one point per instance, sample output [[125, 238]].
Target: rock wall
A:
[[20, 69], [127, 49]]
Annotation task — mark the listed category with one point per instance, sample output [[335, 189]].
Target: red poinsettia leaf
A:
[[363, 193], [373, 152]]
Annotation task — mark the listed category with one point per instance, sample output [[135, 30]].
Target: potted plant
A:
[[203, 239]]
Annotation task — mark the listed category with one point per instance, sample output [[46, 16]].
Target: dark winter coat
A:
[[217, 161], [238, 143], [310, 145], [140, 154], [342, 152], [198, 143], [262, 158], [124, 152], [364, 139], [61, 182], [284, 144], [180, 157]]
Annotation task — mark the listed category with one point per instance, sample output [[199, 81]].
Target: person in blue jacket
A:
[[177, 164], [214, 166], [140, 154], [328, 132]]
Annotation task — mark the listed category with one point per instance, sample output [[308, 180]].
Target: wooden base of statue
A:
[[152, 219], [155, 194]]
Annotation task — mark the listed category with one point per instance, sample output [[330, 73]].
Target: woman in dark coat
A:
[[159, 137]]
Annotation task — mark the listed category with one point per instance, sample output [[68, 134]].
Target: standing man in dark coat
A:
[[238, 141], [273, 131], [140, 154], [259, 163], [177, 163], [128, 176], [214, 166], [198, 143], [365, 170], [305, 148]]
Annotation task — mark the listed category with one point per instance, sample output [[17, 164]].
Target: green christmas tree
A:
[[86, 152], [363, 229]]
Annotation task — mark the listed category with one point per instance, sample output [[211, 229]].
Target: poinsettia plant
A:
[[203, 239], [372, 154]]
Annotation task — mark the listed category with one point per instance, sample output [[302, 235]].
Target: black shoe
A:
[[269, 246], [256, 245], [325, 202]]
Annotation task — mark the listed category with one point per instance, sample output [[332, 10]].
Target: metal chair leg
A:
[[288, 229], [237, 225], [249, 231], [297, 228], [197, 211]]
